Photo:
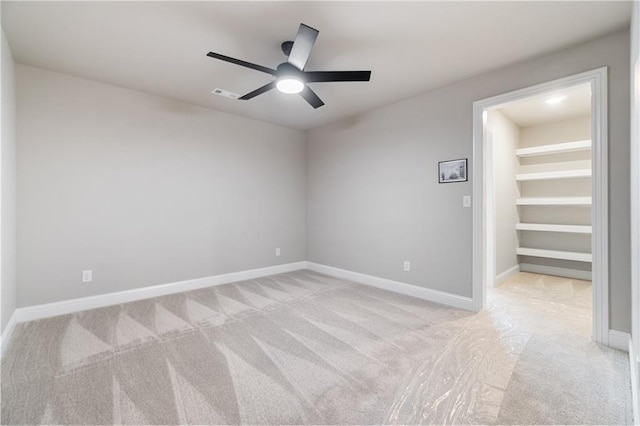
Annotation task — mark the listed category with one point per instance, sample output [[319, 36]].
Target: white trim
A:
[[478, 238], [505, 275], [8, 332], [46, 310], [600, 210], [633, 368], [436, 296], [600, 206], [556, 271], [619, 340]]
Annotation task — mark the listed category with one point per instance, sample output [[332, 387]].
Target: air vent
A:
[[225, 93]]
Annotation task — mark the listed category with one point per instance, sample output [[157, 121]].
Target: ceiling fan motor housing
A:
[[285, 69], [286, 47]]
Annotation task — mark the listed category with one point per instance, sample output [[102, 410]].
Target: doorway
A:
[[484, 192]]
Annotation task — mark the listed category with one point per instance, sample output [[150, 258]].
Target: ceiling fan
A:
[[290, 76]]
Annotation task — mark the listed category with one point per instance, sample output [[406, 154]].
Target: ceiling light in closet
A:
[[555, 100]]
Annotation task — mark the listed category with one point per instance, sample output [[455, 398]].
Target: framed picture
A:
[[452, 171]]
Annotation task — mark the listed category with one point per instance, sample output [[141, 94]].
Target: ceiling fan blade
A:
[[327, 76], [302, 46], [258, 91], [311, 97], [241, 63]]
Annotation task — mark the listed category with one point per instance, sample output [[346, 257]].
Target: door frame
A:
[[597, 78]]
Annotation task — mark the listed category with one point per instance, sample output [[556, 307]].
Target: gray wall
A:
[[372, 194], [635, 177], [8, 154], [144, 190]]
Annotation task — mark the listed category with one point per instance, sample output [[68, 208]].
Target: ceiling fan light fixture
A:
[[290, 85]]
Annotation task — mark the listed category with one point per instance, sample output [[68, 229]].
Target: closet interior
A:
[[541, 173]]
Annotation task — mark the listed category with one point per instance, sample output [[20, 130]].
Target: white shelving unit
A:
[[544, 227], [561, 174], [567, 171], [553, 201], [555, 254], [559, 148]]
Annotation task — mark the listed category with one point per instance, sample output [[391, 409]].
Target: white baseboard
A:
[[436, 296], [502, 277], [633, 364], [46, 310], [8, 332], [619, 340], [553, 270]]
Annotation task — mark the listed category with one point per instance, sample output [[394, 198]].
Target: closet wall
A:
[[504, 140]]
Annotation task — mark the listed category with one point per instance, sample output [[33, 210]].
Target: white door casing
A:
[[600, 207]]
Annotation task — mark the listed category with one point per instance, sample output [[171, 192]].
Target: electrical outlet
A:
[[277, 252], [407, 266], [87, 276]]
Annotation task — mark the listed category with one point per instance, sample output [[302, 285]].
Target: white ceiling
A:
[[411, 47], [534, 110]]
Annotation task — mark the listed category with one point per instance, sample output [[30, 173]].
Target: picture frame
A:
[[453, 171]]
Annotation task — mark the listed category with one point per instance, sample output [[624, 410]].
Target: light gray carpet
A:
[[306, 348]]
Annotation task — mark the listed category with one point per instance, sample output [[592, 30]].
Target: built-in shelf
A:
[[554, 201], [555, 254], [558, 148], [555, 170], [575, 229], [561, 174]]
